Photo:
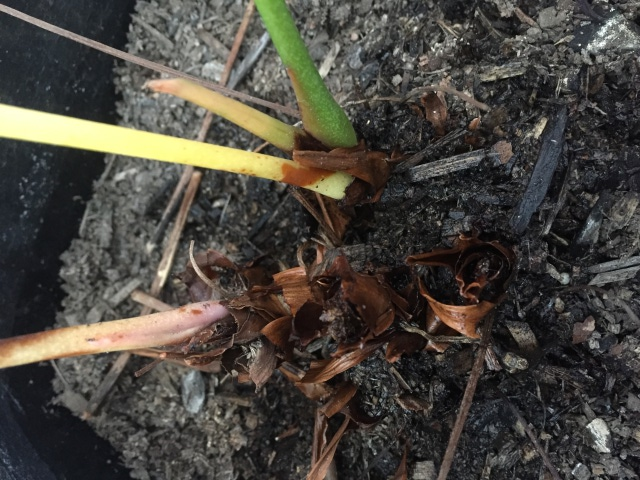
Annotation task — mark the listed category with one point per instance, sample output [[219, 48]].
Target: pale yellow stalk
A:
[[260, 124], [35, 126]]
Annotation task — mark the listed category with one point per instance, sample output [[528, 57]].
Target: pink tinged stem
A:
[[158, 329]]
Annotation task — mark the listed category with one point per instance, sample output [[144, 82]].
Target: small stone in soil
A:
[[193, 391], [600, 435]]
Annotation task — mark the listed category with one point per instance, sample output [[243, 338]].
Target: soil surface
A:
[[561, 79]]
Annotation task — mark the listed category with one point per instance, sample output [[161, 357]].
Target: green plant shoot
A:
[[322, 117]]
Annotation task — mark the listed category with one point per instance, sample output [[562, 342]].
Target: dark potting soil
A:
[[562, 82]]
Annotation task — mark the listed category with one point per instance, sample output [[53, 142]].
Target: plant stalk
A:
[[272, 130], [158, 329], [322, 117], [34, 126]]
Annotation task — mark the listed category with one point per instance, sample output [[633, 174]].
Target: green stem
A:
[[321, 115]]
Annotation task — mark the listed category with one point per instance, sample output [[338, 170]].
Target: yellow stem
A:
[[260, 124], [35, 126]]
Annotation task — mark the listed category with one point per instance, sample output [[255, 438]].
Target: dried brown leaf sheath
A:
[[295, 287], [368, 166], [319, 470], [339, 400], [264, 364], [324, 370], [368, 296], [435, 110], [482, 271]]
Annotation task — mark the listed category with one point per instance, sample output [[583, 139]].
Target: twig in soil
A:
[[150, 366], [171, 207], [524, 18], [529, 431], [548, 158], [249, 60], [438, 338], [448, 165], [196, 268], [168, 44], [150, 301], [204, 128], [613, 265], [289, 432], [448, 89], [172, 243], [489, 26], [144, 63], [106, 385], [430, 88], [429, 150], [467, 399], [562, 196], [237, 41], [615, 276]]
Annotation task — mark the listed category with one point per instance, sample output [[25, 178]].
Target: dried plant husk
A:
[[324, 370], [320, 468], [263, 364], [435, 111], [295, 287], [370, 168], [404, 343], [339, 399], [482, 271]]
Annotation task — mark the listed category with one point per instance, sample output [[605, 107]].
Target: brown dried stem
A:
[[142, 62], [237, 41], [467, 400], [529, 431]]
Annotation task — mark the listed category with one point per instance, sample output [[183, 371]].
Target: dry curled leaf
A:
[[323, 370], [320, 468], [295, 287], [366, 294], [279, 333], [435, 110], [462, 318], [320, 426], [307, 324], [263, 364], [339, 400], [404, 343], [413, 403], [317, 392], [482, 271]]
